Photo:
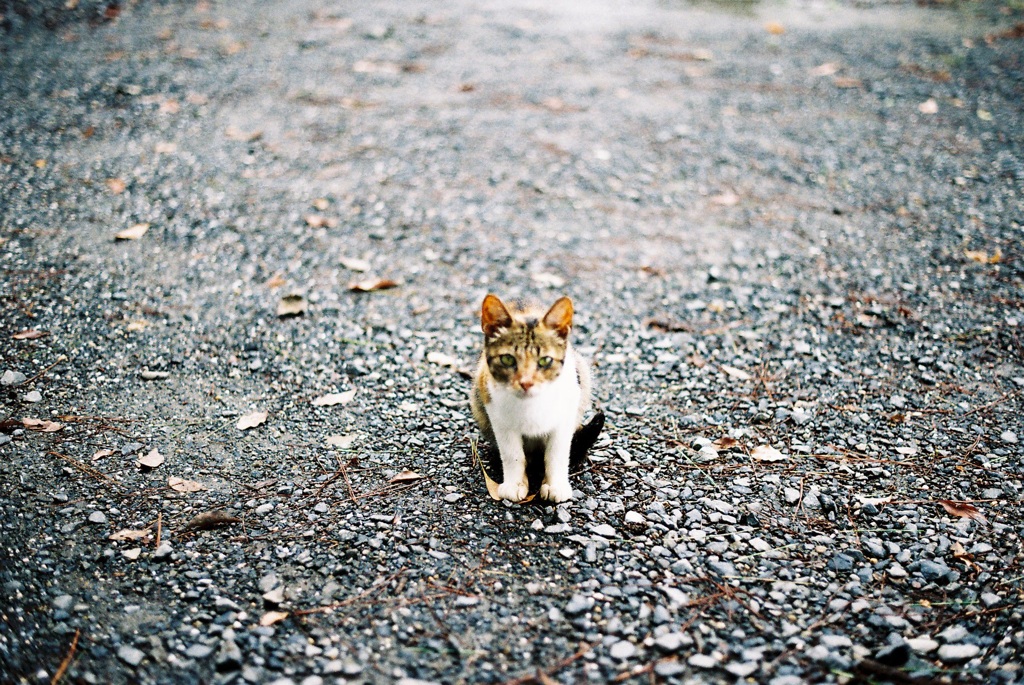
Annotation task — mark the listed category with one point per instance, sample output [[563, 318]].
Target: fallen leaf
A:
[[406, 477], [342, 442], [133, 233], [272, 617], [353, 264], [276, 281], [41, 425], [251, 420], [725, 443], [826, 69], [847, 82], [182, 485], [291, 305], [331, 399], [129, 534], [372, 284], [775, 28], [151, 460], [767, 453], [116, 185], [30, 334], [929, 106], [211, 519], [99, 454], [733, 372], [963, 510], [442, 359], [983, 257]]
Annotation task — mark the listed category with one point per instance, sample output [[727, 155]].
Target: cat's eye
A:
[[507, 360], [544, 362]]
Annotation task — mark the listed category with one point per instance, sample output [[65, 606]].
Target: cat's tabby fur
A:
[[530, 394]]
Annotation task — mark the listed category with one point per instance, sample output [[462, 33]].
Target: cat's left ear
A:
[[559, 317]]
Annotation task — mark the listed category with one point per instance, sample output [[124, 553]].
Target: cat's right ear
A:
[[494, 316]]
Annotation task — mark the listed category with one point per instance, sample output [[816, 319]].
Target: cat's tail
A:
[[584, 438]]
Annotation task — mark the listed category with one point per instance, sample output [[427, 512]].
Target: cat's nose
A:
[[525, 384]]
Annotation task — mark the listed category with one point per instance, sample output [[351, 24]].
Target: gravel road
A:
[[792, 234]]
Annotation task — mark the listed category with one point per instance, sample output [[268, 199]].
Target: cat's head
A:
[[525, 348]]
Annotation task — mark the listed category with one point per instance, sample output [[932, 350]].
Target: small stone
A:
[[933, 571], [351, 668], [954, 634], [97, 517], [1009, 437], [131, 448], [63, 602], [836, 641], [225, 604], [958, 652], [742, 669], [154, 375], [198, 651], [635, 517], [667, 669], [791, 495], [578, 604], [229, 658], [264, 509], [604, 530], [453, 497], [669, 642], [896, 570], [34, 396], [163, 552], [702, 661], [275, 596], [130, 655], [12, 378], [312, 680], [622, 650], [990, 599], [269, 582], [464, 601], [132, 554], [840, 562], [922, 645]]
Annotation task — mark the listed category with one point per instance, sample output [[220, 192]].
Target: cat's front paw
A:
[[515, 491], [556, 492]]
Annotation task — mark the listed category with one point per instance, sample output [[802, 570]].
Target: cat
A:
[[530, 393]]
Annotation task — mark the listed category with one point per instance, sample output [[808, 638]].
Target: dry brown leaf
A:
[[826, 69], [406, 477], [963, 510], [272, 617], [733, 372], [354, 264], [371, 284], [342, 442], [41, 425], [133, 233], [775, 28], [30, 334], [725, 443], [252, 420], [116, 185], [846, 82], [767, 453], [99, 454], [211, 519], [331, 399], [129, 534], [983, 257], [291, 305], [182, 485], [151, 460]]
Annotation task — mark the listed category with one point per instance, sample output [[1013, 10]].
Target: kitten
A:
[[530, 393]]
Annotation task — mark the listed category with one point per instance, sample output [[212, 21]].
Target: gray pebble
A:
[[97, 517], [702, 661], [669, 642], [63, 602], [742, 669], [199, 651], [33, 397], [958, 652], [130, 655], [622, 650], [578, 604], [11, 378], [163, 552]]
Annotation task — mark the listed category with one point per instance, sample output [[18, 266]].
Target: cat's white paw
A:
[[556, 492], [514, 491]]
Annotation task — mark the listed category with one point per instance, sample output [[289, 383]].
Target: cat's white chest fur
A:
[[546, 409]]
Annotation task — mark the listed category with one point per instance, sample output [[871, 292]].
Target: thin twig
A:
[[584, 648], [159, 527], [67, 660], [84, 468], [350, 600], [60, 359]]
